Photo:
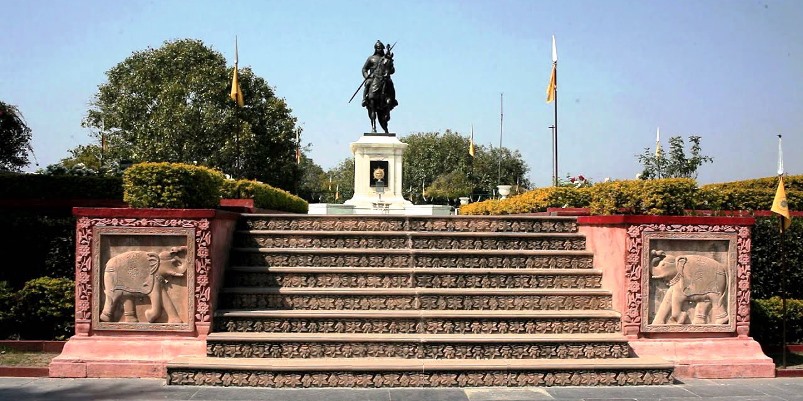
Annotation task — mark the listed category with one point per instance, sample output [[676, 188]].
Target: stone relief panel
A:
[[689, 282], [143, 278]]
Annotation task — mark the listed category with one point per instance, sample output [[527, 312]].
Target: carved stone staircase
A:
[[395, 301]]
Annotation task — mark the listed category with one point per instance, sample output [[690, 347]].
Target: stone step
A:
[[318, 298], [419, 321], [451, 258], [532, 224], [421, 346], [407, 240], [398, 372], [377, 277]]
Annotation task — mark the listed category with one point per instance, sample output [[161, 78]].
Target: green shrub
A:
[[536, 200], [755, 194], [39, 186], [44, 309], [669, 196], [264, 196], [172, 185], [766, 258], [766, 321], [41, 245]]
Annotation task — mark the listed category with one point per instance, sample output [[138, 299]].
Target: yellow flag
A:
[[236, 92], [471, 143], [550, 89], [779, 205], [337, 192]]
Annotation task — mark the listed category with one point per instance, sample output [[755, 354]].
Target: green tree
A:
[[676, 164], [15, 138], [172, 104], [341, 186], [432, 155]]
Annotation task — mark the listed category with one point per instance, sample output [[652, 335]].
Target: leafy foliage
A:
[[59, 186], [766, 320], [264, 196], [341, 186], [15, 139], [171, 104], [430, 155], [171, 185], [676, 164], [657, 197], [767, 258], [45, 308], [755, 194]]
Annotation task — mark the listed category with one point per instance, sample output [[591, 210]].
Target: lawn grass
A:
[[12, 357]]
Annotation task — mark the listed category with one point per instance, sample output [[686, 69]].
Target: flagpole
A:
[[555, 131], [783, 294], [501, 120]]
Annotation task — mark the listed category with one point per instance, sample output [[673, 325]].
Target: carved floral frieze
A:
[[601, 377], [430, 325]]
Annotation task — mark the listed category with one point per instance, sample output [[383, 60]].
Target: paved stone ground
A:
[[45, 389]]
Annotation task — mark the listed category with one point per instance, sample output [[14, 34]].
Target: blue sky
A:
[[729, 71]]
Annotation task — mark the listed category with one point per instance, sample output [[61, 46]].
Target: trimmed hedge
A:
[[766, 258], [172, 185], [766, 321], [264, 196], [671, 196], [38, 186], [42, 310], [659, 197]]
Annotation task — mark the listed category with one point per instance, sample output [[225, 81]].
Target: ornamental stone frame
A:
[[709, 256], [643, 238]]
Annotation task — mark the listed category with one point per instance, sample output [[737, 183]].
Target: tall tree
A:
[[172, 104], [432, 158], [676, 164], [15, 139]]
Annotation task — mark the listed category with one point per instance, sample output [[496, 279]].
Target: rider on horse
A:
[[379, 96]]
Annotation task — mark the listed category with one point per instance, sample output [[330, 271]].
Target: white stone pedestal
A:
[[380, 149]]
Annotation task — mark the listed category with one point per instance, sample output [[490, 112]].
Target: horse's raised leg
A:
[[372, 116], [383, 121]]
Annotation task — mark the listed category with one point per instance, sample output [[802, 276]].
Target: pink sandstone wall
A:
[[617, 245], [136, 350]]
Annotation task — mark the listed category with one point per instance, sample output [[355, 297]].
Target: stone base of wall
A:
[[134, 356], [709, 358]]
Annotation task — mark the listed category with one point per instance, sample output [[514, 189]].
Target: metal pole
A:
[[555, 131], [501, 119], [783, 295], [554, 169]]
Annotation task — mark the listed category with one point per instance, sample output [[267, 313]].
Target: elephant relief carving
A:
[[136, 273], [696, 285]]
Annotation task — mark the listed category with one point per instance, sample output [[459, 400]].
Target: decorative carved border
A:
[[730, 264], [85, 232], [634, 270]]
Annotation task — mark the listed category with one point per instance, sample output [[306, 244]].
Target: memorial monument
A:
[[378, 154]]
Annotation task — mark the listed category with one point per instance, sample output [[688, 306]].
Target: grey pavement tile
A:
[[427, 394], [718, 390], [94, 389], [507, 394], [624, 392]]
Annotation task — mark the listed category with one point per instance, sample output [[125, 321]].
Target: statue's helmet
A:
[[379, 45]]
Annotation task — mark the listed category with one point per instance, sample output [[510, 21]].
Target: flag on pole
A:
[[471, 143], [779, 205], [298, 146], [658, 142], [337, 192], [553, 79], [236, 91]]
